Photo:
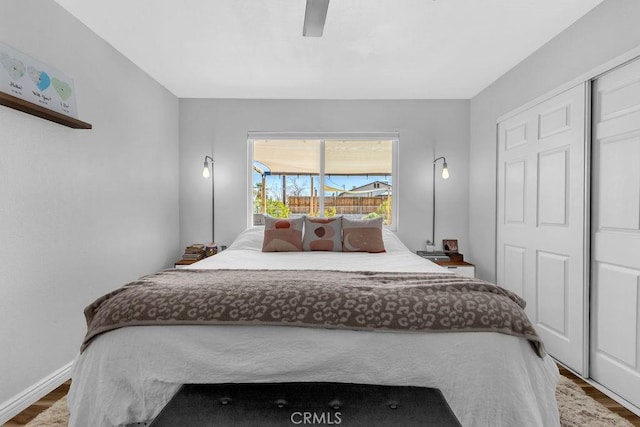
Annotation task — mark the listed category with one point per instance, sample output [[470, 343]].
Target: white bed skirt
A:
[[488, 379]]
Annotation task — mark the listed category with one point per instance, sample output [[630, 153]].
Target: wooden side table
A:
[[184, 263]]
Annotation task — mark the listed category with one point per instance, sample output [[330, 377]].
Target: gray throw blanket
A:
[[411, 302]]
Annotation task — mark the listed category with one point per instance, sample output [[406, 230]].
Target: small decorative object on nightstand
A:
[[455, 256], [210, 249], [450, 245]]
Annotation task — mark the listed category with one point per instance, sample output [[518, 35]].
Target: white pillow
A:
[[250, 239], [392, 242]]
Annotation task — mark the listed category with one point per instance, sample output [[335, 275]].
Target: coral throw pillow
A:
[[322, 234], [364, 235], [282, 234]]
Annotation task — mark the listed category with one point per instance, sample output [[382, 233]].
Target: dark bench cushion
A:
[[290, 404]]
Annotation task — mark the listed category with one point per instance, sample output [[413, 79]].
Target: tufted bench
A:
[[291, 404]]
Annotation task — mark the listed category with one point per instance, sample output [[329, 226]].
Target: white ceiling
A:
[[371, 49]]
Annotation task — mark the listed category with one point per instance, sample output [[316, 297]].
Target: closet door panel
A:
[[619, 205], [541, 227], [553, 287], [514, 193], [553, 201], [514, 268], [615, 293]]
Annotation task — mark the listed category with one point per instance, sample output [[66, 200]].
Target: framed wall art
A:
[[29, 79], [450, 245]]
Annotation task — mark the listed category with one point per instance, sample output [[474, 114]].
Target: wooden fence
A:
[[344, 205]]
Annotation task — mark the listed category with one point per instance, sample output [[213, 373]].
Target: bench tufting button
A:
[[335, 404], [281, 403], [225, 400], [393, 405]]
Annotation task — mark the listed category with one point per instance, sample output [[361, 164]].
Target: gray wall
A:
[[81, 211], [606, 32], [427, 129]]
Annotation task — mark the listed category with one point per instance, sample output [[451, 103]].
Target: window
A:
[[325, 175]]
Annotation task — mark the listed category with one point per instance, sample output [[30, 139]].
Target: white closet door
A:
[[615, 294], [541, 237]]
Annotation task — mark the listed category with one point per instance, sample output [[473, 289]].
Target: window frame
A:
[[394, 137]]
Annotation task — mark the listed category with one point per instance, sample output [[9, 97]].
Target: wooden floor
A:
[[32, 411], [597, 395]]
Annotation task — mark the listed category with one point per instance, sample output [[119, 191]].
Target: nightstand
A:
[[460, 267]]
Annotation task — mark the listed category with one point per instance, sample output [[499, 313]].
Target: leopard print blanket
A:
[[412, 302]]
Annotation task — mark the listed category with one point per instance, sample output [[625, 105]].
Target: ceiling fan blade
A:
[[314, 18]]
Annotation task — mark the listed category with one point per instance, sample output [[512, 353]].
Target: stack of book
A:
[[194, 252], [434, 256]]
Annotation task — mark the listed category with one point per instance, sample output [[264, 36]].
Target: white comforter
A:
[[489, 379]]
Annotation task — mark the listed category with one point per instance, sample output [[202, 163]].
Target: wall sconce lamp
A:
[[445, 175], [206, 173]]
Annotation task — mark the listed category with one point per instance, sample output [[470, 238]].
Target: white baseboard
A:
[[28, 397]]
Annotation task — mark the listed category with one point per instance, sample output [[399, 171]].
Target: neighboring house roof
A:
[[375, 188]]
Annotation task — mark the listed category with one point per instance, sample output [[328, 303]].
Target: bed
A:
[[127, 375]]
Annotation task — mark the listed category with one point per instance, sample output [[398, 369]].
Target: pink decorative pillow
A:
[[282, 234], [322, 234], [362, 235]]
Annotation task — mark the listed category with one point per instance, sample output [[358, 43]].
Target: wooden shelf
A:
[[39, 111]]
